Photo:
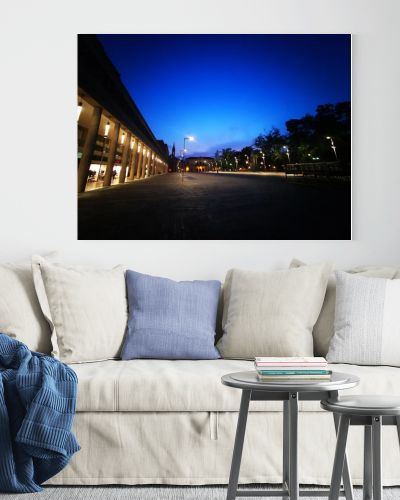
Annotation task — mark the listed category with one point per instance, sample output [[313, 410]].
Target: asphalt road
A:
[[216, 206]]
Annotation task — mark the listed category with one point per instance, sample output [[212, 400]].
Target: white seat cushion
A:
[[175, 386]]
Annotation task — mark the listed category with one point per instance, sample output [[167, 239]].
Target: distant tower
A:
[[173, 162]]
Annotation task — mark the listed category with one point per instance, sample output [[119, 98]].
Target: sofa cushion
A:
[[272, 313], [161, 385], [324, 327], [170, 319], [367, 321], [20, 315], [86, 308]]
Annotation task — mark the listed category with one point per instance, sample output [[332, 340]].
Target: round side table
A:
[[290, 392], [371, 412]]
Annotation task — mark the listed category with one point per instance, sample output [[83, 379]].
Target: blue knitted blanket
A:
[[37, 406]]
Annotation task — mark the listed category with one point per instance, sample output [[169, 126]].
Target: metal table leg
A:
[[398, 427], [376, 460], [285, 447], [367, 480], [238, 447], [293, 447], [340, 454], [347, 482]]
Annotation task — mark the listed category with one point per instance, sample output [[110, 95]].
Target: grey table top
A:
[[364, 405], [249, 380]]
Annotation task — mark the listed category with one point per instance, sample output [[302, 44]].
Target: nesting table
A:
[[290, 392], [371, 412]]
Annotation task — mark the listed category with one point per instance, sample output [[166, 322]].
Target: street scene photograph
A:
[[214, 137]]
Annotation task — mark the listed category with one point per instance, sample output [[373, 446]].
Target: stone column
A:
[[111, 155], [138, 155], [124, 160], [155, 165], [133, 161], [146, 164], [152, 161], [143, 171], [88, 149], [140, 163]]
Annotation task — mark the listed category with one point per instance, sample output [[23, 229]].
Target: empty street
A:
[[217, 206]]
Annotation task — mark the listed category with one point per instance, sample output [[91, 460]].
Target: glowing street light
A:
[[332, 146], [236, 161], [286, 149], [189, 138]]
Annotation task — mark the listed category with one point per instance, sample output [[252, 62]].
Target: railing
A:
[[320, 169]]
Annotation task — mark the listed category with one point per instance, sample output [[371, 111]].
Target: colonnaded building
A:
[[115, 144]]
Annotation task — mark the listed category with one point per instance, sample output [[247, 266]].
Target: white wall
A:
[[38, 111]]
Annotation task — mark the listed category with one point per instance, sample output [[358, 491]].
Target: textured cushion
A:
[[272, 313], [170, 319], [86, 310], [367, 321], [20, 314], [324, 327], [159, 385]]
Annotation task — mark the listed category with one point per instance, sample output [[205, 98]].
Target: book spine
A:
[[311, 365], [294, 372], [266, 378]]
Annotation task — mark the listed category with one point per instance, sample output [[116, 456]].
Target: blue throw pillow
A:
[[170, 319]]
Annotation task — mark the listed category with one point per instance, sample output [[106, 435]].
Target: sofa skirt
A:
[[195, 448]]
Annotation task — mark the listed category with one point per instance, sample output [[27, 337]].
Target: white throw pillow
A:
[[272, 313], [86, 308], [367, 321], [20, 315], [324, 327]]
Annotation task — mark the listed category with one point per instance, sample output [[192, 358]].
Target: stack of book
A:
[[292, 368]]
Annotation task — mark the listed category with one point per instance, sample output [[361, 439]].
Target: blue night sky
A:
[[227, 89]]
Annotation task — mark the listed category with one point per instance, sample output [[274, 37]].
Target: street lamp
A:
[[236, 161], [189, 138], [333, 146], [287, 152]]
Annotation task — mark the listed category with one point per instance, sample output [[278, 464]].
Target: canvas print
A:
[[216, 137]]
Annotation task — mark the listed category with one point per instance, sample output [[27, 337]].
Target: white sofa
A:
[[173, 422]]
